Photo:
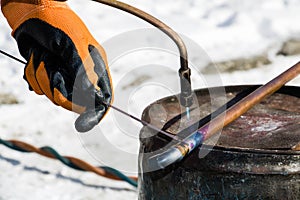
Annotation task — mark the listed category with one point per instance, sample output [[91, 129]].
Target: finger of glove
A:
[[44, 81], [90, 118], [61, 94], [93, 115], [87, 120], [104, 83], [30, 77]]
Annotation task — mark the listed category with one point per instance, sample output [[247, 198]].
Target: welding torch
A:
[[186, 98]]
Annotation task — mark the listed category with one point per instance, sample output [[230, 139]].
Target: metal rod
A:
[[13, 57], [249, 101], [174, 137], [184, 71], [194, 140]]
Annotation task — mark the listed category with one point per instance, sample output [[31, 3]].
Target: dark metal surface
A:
[[253, 158], [272, 124]]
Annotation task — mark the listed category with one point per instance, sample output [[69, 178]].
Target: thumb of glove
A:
[[90, 118]]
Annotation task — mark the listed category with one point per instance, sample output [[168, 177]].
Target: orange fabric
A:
[[64, 102], [30, 75], [17, 12], [36, 2], [59, 15], [43, 80]]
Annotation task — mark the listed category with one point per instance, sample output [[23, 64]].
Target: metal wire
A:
[[13, 57], [166, 133], [69, 161]]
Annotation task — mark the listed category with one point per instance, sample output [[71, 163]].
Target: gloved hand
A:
[[64, 62]]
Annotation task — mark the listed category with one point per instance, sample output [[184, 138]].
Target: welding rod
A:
[[178, 151], [166, 133], [170, 135]]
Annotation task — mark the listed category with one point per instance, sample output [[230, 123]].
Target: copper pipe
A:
[[180, 150], [184, 71], [155, 22], [296, 147], [249, 101]]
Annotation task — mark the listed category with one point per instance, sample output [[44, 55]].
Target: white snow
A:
[[224, 30]]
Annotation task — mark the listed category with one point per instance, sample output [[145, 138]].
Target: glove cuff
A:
[[18, 11], [36, 2]]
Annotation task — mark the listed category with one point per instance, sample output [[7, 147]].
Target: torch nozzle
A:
[[186, 96]]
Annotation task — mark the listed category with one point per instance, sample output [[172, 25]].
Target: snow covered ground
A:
[[225, 29]]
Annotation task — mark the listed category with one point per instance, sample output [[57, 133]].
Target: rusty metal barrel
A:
[[255, 157]]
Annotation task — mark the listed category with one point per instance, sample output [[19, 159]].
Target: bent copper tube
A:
[[186, 99]]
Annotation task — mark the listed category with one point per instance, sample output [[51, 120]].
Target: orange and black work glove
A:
[[64, 62]]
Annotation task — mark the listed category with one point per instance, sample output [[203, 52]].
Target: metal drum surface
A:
[[256, 157]]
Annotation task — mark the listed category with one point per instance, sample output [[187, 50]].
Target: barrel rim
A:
[[284, 151]]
